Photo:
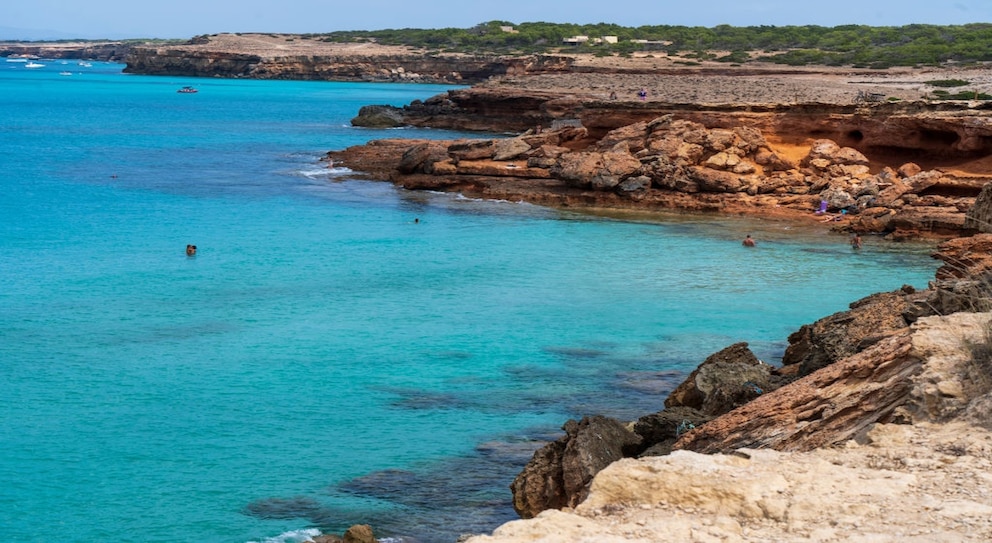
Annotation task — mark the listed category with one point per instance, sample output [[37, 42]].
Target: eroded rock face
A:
[[964, 282], [979, 217], [202, 60], [110, 51], [829, 406], [921, 373], [845, 333], [669, 162]]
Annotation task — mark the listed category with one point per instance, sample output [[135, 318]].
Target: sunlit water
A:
[[324, 360]]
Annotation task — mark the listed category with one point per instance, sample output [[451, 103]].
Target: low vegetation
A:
[[948, 83], [965, 95], [848, 45]]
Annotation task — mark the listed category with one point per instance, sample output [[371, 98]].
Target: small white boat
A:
[[16, 59], [34, 65], [85, 64], [65, 73]]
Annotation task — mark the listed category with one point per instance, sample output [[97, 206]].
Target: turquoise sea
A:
[[323, 360]]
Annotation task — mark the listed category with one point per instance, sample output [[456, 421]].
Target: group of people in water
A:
[[855, 241]]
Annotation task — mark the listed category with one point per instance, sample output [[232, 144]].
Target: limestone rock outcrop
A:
[[113, 51], [845, 333], [669, 162], [900, 483]]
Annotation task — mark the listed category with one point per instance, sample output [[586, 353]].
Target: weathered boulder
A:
[[596, 170], [359, 533], [825, 153], [559, 473], [723, 161], [726, 379], [472, 150], [510, 148], [577, 169], [709, 180], [418, 157], [635, 184], [771, 162], [910, 185], [379, 117]]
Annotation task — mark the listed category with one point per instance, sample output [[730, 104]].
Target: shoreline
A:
[[838, 368]]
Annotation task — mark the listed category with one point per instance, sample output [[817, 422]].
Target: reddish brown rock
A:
[[835, 404], [845, 333]]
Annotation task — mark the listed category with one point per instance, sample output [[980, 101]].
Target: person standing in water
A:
[[748, 241], [190, 250], [855, 241]]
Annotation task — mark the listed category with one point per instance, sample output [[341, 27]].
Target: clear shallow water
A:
[[323, 360]]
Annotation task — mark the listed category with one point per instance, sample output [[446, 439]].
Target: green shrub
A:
[[963, 95], [948, 83]]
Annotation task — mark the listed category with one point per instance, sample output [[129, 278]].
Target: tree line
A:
[[847, 45]]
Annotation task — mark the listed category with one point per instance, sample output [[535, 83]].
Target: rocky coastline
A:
[[879, 417], [907, 168], [878, 424], [284, 56]]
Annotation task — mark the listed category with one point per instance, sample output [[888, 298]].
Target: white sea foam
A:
[[295, 536], [320, 173]]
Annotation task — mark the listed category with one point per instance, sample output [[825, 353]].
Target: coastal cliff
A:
[[271, 56], [104, 51]]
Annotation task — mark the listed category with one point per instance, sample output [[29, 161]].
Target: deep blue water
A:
[[324, 360]]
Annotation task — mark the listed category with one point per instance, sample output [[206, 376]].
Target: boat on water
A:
[[65, 73], [85, 64], [16, 59], [187, 90], [34, 65]]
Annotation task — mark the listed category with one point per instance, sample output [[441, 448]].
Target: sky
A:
[[117, 19]]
